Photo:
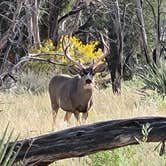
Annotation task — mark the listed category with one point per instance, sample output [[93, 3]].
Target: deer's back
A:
[[58, 82]]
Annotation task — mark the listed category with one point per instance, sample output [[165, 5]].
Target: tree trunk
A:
[[116, 68], [29, 22], [157, 50], [36, 35], [85, 140], [55, 6], [116, 51], [32, 23], [140, 17], [6, 42]]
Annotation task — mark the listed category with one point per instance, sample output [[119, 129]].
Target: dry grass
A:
[[30, 115]]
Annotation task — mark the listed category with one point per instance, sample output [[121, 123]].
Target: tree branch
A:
[[139, 13], [30, 57], [70, 13], [37, 57], [88, 139], [153, 11]]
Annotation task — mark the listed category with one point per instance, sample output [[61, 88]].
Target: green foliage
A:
[[145, 132], [149, 22], [136, 82], [154, 77], [66, 5], [154, 97], [103, 158], [117, 157], [7, 156], [130, 155]]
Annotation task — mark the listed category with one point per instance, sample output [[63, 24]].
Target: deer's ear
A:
[[74, 69], [100, 68]]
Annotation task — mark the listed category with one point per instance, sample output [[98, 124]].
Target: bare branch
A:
[[47, 60], [140, 17], [72, 12], [105, 51], [153, 11], [37, 57], [124, 15]]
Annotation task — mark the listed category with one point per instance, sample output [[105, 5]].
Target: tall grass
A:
[[30, 115]]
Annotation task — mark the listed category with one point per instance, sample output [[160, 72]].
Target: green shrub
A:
[[136, 82], [154, 77], [101, 158], [8, 154], [31, 81]]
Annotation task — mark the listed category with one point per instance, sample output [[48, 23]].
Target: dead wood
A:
[[87, 139]]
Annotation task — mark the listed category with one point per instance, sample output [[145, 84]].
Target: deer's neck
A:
[[80, 96], [83, 89]]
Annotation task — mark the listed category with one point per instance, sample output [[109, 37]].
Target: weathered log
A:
[[87, 139]]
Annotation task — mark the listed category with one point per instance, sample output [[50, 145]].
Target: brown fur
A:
[[70, 94]]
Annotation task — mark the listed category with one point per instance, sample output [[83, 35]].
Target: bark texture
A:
[[85, 140], [143, 34]]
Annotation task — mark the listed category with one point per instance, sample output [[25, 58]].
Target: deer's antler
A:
[[67, 55]]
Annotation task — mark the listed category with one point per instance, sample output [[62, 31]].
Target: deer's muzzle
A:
[[88, 81]]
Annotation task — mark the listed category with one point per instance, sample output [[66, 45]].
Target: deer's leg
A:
[[55, 108], [84, 116], [67, 116], [77, 116]]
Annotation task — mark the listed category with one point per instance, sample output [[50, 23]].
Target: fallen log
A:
[[87, 139]]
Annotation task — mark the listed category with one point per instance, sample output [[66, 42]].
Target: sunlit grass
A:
[[30, 115]]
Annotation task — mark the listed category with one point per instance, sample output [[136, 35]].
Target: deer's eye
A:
[[93, 73], [82, 73]]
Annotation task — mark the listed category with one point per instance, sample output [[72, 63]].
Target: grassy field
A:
[[30, 115]]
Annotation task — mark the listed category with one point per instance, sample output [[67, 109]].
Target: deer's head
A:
[[86, 73]]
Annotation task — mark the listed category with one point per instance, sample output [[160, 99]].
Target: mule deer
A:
[[74, 94]]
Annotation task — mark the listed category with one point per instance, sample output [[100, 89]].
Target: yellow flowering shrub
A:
[[46, 47], [83, 52]]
